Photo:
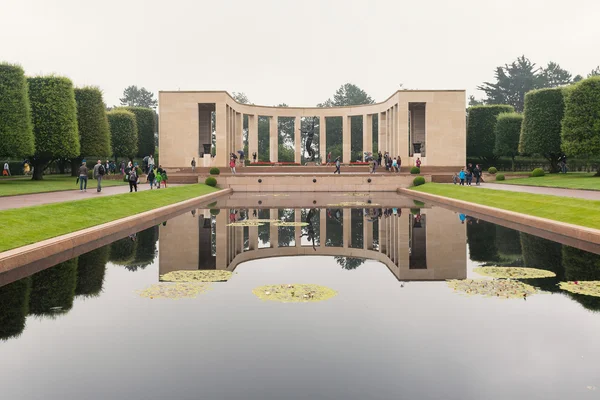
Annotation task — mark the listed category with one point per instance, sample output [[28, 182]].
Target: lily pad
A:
[[283, 223], [503, 288], [246, 223], [514, 272], [294, 293], [174, 290], [196, 276], [588, 288]]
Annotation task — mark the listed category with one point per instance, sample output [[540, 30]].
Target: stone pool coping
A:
[[570, 234], [37, 256]]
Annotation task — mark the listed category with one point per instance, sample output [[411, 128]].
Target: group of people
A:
[[26, 168], [131, 171], [466, 174]]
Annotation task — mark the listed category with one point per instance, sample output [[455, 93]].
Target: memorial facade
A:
[[425, 124]]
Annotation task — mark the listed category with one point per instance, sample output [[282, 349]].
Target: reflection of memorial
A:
[[425, 244]]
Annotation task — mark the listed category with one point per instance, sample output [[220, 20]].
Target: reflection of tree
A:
[[90, 272], [53, 289], [582, 266], [122, 252], [145, 251], [545, 254], [263, 230], [335, 232], [14, 307], [508, 241], [481, 238], [286, 233], [356, 227], [349, 262]]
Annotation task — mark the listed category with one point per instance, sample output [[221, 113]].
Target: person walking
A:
[[107, 167], [150, 178], [399, 162], [83, 177], [6, 170], [122, 167], [193, 164], [150, 162], [99, 172], [337, 166], [328, 159], [469, 174], [477, 174], [462, 175], [133, 178], [164, 178], [418, 162], [232, 165]]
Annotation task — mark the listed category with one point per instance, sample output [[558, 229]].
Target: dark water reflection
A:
[[78, 330]]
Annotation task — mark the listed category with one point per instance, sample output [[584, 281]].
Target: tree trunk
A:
[[75, 163], [61, 166], [38, 170]]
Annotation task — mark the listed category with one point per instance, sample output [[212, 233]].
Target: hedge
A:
[[415, 170], [215, 171], [54, 117], [500, 177], [538, 172], [123, 133], [145, 252], [507, 132], [581, 122], [16, 129], [210, 181], [91, 267], [418, 181], [481, 124], [14, 298], [53, 287], [481, 238], [146, 126], [94, 132], [540, 131]]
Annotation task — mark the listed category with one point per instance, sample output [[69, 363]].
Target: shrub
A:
[[92, 123], [492, 170], [500, 177], [580, 126], [54, 117], [507, 132], [418, 181], [210, 181], [16, 131], [537, 172], [415, 170], [540, 130], [415, 211], [214, 211], [91, 267], [145, 120], [123, 132], [481, 124], [215, 171]]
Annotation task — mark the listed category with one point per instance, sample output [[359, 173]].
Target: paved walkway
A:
[[35, 199], [580, 194]]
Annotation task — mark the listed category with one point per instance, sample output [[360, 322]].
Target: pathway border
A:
[[573, 235], [31, 258]]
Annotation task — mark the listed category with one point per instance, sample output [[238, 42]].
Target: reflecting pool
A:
[[80, 330]]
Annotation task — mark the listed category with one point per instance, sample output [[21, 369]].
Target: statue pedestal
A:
[[311, 164]]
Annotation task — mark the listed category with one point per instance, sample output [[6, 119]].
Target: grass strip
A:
[[22, 226], [51, 183], [566, 181], [557, 208]]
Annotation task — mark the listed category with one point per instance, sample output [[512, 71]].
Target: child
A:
[[455, 178], [395, 164], [462, 175], [158, 178], [164, 178], [151, 178], [232, 165]]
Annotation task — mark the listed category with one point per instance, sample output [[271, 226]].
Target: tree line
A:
[[45, 118]]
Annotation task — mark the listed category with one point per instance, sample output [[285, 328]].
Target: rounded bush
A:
[[538, 172], [215, 171], [418, 181], [415, 170], [415, 211], [500, 177], [214, 211], [210, 181], [492, 170]]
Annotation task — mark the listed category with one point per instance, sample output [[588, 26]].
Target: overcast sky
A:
[[297, 52]]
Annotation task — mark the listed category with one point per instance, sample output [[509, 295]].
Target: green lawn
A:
[[21, 226], [51, 183], [564, 209], [573, 180]]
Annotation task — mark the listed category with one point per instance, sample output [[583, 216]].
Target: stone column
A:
[[273, 139], [367, 234], [323, 139], [382, 235], [222, 138], [297, 140], [346, 146], [297, 229], [403, 132], [222, 240], [382, 132], [253, 237], [346, 222], [367, 133], [322, 226], [252, 136], [273, 230], [239, 132]]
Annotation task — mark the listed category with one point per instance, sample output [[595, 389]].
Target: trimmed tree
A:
[[94, 133], [54, 116], [481, 130], [14, 298], [16, 131], [90, 272], [508, 131], [53, 289], [123, 133], [581, 122], [145, 119], [540, 130]]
